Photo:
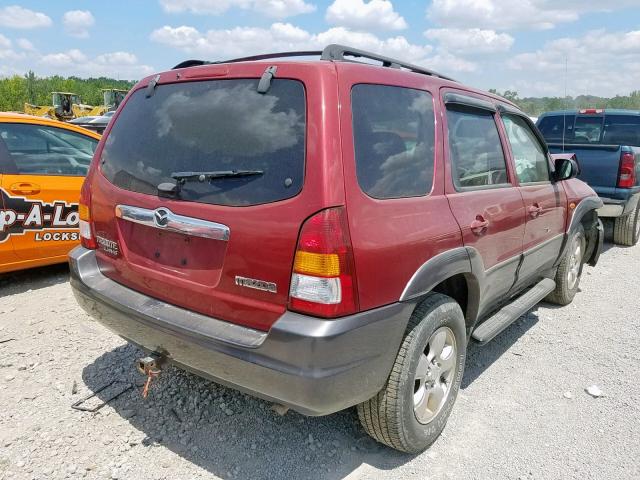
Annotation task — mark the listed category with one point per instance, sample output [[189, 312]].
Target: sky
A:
[[535, 47]]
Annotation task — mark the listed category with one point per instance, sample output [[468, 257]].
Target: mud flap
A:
[[597, 240]]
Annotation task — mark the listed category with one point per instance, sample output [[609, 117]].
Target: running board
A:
[[491, 327]]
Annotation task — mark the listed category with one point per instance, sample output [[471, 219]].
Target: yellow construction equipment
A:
[[65, 106], [112, 97]]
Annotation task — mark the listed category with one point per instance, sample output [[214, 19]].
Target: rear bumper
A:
[[614, 207], [611, 208], [312, 365]]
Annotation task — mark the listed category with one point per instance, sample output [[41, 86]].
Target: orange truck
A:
[[42, 166]]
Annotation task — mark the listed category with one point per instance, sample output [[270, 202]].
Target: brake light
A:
[[591, 110], [627, 176], [323, 280], [87, 238]]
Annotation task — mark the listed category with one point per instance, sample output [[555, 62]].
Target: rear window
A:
[[393, 129], [622, 130], [212, 126], [552, 127], [587, 130]]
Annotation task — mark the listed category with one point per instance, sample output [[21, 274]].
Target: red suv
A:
[[329, 233]]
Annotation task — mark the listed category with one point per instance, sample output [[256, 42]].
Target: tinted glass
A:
[[219, 125], [39, 150], [622, 130], [587, 130], [393, 130], [528, 155], [475, 149], [551, 128]]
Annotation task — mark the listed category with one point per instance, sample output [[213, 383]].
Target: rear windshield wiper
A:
[[202, 176], [173, 189]]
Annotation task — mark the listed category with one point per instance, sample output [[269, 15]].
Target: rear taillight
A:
[[323, 280], [627, 175], [87, 237]]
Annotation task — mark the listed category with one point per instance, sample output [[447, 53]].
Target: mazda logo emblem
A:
[[161, 217]]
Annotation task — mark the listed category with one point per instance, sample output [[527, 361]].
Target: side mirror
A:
[[565, 168]]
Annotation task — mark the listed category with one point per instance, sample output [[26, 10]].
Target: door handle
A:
[[479, 225], [535, 210], [25, 188]]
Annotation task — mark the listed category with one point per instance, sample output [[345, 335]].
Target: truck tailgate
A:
[[599, 164]]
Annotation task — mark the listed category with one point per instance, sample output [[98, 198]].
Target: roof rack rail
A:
[[253, 58], [338, 52], [190, 63], [333, 52]]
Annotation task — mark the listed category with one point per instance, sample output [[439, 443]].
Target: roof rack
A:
[[254, 58], [333, 52], [338, 52]]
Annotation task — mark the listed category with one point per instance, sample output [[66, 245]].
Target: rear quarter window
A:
[[212, 126], [393, 130]]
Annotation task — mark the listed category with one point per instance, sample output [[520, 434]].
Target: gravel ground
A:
[[522, 413]]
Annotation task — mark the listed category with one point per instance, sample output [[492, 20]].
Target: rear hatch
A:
[[200, 197]]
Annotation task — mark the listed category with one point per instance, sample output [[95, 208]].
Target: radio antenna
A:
[[564, 116]]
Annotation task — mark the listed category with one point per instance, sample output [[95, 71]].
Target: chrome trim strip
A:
[[165, 219], [503, 264], [524, 254], [539, 246]]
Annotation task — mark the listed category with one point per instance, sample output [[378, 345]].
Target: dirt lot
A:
[[522, 413]]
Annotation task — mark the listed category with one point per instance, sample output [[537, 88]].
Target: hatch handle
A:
[[164, 219]]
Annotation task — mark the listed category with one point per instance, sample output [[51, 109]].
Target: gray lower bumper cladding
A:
[[312, 365]]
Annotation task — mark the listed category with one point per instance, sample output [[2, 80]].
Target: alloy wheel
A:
[[575, 262], [434, 376]]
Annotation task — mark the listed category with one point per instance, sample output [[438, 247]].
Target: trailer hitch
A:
[[149, 366]]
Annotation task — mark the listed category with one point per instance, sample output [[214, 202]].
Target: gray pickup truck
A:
[[607, 146]]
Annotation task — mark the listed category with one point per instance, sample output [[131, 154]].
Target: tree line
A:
[[534, 106], [17, 90]]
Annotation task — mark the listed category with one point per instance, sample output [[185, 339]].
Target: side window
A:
[[83, 144], [475, 149], [393, 130], [528, 155], [40, 150], [622, 130]]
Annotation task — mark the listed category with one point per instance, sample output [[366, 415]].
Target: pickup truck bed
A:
[[599, 167]]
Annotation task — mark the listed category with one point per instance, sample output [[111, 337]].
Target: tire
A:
[[391, 417], [569, 271], [626, 230]]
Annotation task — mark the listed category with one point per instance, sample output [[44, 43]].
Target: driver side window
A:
[[528, 155]]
